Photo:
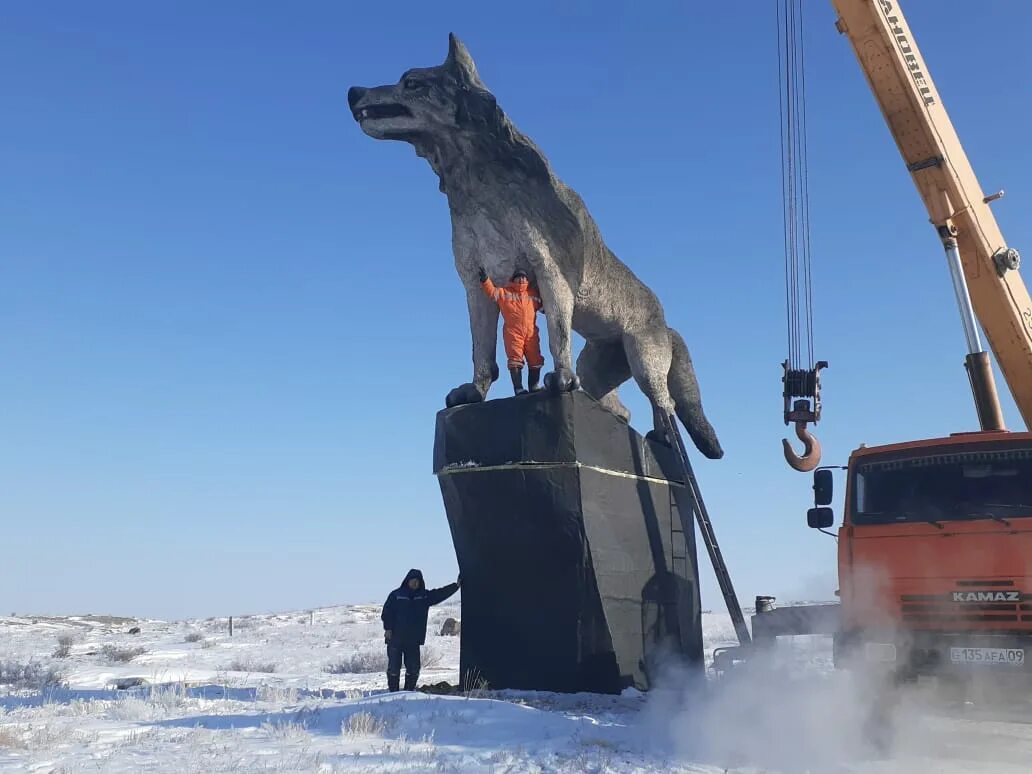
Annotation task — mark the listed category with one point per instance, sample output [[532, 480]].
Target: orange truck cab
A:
[[935, 554]]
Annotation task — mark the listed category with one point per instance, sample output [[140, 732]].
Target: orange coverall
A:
[[519, 304]]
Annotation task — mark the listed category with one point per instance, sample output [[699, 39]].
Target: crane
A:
[[983, 268]]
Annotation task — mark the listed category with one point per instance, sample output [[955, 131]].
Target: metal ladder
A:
[[698, 507], [678, 541]]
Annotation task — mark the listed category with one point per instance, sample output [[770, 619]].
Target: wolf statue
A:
[[509, 211]]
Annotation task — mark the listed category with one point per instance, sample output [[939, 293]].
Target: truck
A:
[[935, 553], [935, 542]]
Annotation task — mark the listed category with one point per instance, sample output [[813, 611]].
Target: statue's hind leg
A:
[[602, 367], [649, 355]]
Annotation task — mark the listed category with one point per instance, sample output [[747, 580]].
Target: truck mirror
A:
[[823, 487], [820, 518]]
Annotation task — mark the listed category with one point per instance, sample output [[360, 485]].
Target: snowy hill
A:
[[304, 692]]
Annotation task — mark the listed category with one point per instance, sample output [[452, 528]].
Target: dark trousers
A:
[[395, 655]]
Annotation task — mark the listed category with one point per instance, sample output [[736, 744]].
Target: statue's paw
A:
[[464, 393], [561, 380]]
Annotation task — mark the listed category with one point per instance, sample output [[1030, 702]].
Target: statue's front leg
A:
[[557, 300], [483, 325]]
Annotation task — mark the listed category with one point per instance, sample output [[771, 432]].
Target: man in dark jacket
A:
[[404, 625]]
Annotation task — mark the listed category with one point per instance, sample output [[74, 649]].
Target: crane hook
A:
[[812, 455]]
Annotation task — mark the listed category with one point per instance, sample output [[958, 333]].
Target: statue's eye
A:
[[412, 83]]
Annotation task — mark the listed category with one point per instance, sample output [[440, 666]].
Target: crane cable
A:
[[801, 379], [795, 188]]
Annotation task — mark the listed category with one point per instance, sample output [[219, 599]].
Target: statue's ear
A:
[[476, 107], [460, 62]]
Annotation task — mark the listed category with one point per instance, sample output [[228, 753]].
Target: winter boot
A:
[[532, 379], [410, 680], [392, 682], [517, 380]]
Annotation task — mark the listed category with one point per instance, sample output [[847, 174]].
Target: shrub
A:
[[360, 663], [121, 655], [64, 646], [30, 675]]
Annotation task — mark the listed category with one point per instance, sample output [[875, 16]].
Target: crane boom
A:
[[924, 134]]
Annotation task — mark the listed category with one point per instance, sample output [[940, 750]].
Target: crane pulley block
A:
[[800, 384]]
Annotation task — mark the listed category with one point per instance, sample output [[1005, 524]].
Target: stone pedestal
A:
[[577, 573]]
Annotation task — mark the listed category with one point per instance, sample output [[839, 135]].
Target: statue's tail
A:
[[684, 389]]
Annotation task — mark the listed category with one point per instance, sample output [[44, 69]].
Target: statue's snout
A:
[[355, 94]]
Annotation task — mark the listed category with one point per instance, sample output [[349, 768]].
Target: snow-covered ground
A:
[[304, 692]]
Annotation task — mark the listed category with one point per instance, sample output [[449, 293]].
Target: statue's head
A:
[[426, 101], [450, 117]]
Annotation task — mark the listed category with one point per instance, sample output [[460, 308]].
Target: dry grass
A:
[[34, 737], [430, 657], [286, 731], [11, 739], [247, 665], [277, 694], [474, 686], [364, 724]]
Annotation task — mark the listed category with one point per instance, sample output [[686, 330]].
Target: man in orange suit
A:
[[519, 304]]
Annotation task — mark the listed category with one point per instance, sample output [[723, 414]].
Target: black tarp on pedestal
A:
[[576, 573]]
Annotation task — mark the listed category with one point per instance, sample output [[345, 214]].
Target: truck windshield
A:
[[946, 486]]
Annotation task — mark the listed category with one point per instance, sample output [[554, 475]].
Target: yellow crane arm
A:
[[899, 79]]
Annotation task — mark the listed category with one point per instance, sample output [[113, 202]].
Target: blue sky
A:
[[227, 317]]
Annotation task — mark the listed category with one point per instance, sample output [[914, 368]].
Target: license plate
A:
[[1015, 656]]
